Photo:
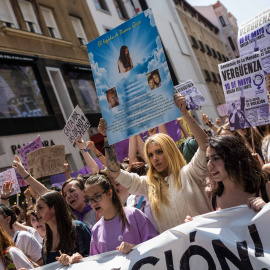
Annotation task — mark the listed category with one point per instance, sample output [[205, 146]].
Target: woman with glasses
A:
[[120, 227]]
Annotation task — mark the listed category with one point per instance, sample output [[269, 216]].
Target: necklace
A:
[[112, 217]]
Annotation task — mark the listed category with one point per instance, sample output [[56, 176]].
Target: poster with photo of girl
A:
[[125, 62]]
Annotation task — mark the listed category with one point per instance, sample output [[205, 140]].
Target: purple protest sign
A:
[[30, 147]]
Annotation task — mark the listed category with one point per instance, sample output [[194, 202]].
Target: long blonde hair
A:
[[157, 188]]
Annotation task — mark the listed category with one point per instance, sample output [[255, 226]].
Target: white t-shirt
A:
[[28, 244], [35, 234], [18, 258]]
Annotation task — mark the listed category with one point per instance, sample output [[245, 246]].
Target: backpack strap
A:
[[140, 202], [8, 260]]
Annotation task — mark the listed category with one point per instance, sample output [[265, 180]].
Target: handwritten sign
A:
[[194, 98], [76, 125], [10, 175], [46, 161]]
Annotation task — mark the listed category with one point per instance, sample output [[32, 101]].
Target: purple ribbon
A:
[[86, 209]]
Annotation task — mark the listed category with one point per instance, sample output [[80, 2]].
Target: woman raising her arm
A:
[[173, 188]]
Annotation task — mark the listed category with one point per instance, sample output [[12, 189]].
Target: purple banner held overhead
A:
[[61, 178], [121, 150]]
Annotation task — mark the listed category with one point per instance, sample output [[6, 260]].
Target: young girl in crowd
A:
[[239, 177], [25, 241], [62, 233], [173, 189], [73, 192], [120, 227], [10, 256]]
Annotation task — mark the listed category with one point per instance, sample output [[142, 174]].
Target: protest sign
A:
[[46, 161], [59, 179], [245, 92], [76, 125], [35, 144], [10, 175], [132, 78], [234, 238], [222, 110], [254, 34], [194, 98]]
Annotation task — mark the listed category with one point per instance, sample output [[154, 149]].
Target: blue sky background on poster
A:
[[145, 49]]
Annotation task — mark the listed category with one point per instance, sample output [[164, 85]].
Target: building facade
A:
[[44, 73], [207, 47], [226, 23]]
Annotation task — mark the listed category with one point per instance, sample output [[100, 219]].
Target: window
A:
[[101, 4], [20, 95], [219, 56], [194, 42], [7, 15], [207, 75], [202, 48], [208, 50], [85, 91], [77, 24], [121, 9], [214, 77], [50, 22], [222, 21], [231, 43], [29, 17], [223, 58], [214, 53]]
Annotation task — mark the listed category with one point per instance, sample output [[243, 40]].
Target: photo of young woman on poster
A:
[[156, 78], [112, 98], [124, 62]]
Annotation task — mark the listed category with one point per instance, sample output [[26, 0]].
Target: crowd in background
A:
[[159, 185]]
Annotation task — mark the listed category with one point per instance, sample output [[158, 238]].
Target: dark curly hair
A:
[[105, 183], [239, 163]]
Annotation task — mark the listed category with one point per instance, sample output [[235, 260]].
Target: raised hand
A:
[[102, 127], [7, 190]]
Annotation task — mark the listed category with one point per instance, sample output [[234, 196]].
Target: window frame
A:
[[11, 15], [80, 38]]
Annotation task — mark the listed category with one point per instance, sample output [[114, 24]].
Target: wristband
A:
[[4, 198], [84, 150], [209, 124], [99, 155], [26, 176], [105, 136]]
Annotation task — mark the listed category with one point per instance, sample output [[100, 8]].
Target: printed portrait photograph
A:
[[125, 63], [112, 98], [154, 80]]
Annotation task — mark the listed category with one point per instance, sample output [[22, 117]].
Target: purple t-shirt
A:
[[108, 235]]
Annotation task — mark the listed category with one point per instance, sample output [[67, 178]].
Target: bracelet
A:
[[26, 176], [84, 150], [105, 136], [100, 154], [209, 124], [4, 198]]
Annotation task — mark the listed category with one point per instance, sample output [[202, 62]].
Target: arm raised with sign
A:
[[34, 183]]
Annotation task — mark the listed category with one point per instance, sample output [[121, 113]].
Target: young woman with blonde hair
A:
[[173, 188]]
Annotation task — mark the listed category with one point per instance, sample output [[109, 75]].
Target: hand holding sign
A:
[[19, 167], [180, 102], [102, 127]]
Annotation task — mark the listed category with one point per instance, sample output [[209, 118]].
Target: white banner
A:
[[234, 238], [76, 125]]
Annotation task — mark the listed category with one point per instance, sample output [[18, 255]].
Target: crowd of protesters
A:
[[159, 186]]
